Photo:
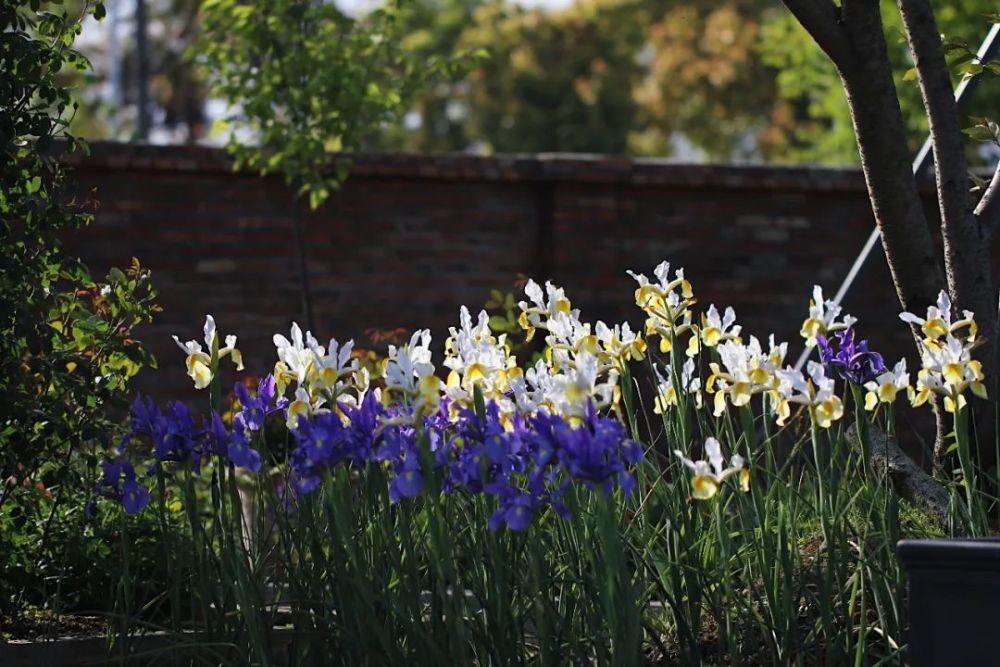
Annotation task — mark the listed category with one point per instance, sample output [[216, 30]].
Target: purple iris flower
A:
[[361, 434], [174, 435], [324, 441], [255, 409], [118, 483], [408, 482], [850, 360], [240, 452], [468, 466], [516, 511], [216, 437], [402, 450], [596, 452], [144, 417], [320, 446]]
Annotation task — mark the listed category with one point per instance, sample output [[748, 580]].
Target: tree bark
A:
[[965, 238], [907, 478], [857, 47], [988, 209], [885, 158]]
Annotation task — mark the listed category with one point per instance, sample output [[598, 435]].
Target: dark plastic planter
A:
[[954, 601]]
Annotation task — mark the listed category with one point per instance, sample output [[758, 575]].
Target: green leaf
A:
[[980, 133]]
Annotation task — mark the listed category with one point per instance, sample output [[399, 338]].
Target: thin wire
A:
[[923, 159]]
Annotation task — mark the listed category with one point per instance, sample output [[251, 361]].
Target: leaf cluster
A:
[[303, 79], [67, 349]]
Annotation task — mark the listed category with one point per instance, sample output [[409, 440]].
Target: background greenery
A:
[[67, 349], [696, 79]]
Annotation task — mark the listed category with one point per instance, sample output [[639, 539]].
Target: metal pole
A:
[[920, 163], [114, 64], [142, 73]]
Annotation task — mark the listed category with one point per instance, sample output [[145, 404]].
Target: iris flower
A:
[[714, 329], [816, 392], [746, 370], [477, 358], [948, 371], [667, 310], [666, 392], [331, 365], [884, 388], [937, 322], [620, 344], [255, 409], [409, 372], [295, 357], [118, 483], [710, 475], [541, 306], [851, 361], [202, 364], [822, 318]]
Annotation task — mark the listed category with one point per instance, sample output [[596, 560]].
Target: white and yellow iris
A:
[[477, 358], [666, 303], [887, 386], [202, 364], [708, 476], [948, 370], [938, 324], [619, 344], [746, 370], [542, 306], [822, 318], [714, 329], [409, 372], [666, 391], [815, 392]]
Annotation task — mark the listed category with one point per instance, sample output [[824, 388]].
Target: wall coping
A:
[[541, 167]]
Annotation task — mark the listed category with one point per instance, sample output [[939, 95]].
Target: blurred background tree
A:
[[559, 81], [688, 79], [177, 104], [704, 84]]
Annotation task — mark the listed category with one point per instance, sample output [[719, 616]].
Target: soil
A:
[[36, 624]]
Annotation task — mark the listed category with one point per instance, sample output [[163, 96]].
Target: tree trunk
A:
[[852, 36], [885, 160], [966, 238]]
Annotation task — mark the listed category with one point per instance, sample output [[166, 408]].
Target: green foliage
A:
[[818, 129], [57, 558], [433, 29], [542, 81], [559, 81], [799, 569], [735, 78], [66, 351], [704, 80], [304, 79]]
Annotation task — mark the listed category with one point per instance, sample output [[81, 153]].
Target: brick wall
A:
[[410, 238]]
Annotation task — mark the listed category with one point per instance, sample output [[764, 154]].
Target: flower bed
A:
[[581, 526]]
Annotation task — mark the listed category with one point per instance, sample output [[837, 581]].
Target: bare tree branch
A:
[[988, 210], [821, 18], [908, 478]]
